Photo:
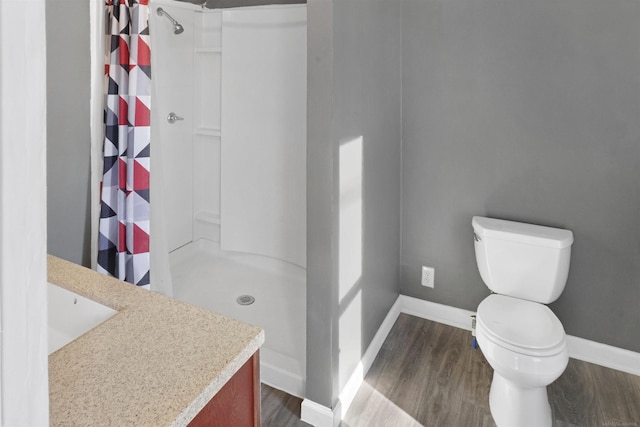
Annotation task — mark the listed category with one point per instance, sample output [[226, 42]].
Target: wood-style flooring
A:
[[279, 409], [427, 374]]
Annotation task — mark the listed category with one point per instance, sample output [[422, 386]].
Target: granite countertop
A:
[[157, 362]]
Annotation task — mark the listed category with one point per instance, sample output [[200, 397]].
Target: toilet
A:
[[526, 267]]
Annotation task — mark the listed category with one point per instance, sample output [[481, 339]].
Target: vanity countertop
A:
[[157, 362]]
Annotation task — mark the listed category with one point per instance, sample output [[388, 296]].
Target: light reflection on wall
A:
[[350, 256], [350, 240]]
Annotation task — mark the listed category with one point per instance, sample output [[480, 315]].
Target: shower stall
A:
[[228, 180]]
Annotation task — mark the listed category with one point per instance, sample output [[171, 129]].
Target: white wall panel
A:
[[172, 144], [263, 182], [24, 394]]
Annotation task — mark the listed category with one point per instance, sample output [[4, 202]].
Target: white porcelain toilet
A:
[[526, 266]]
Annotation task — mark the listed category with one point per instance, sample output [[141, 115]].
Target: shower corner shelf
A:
[[209, 217], [208, 50], [207, 131]]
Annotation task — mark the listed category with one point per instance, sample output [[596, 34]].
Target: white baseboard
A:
[[320, 416], [579, 348], [348, 392], [604, 355], [440, 313]]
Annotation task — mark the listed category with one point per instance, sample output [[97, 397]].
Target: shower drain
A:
[[245, 300]]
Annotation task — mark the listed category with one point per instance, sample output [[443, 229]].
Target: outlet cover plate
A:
[[427, 276]]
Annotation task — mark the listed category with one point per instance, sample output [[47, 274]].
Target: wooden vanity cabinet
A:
[[237, 404]]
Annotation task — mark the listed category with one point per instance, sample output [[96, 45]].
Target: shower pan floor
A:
[[208, 277]]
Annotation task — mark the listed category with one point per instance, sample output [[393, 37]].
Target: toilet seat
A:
[[522, 326]]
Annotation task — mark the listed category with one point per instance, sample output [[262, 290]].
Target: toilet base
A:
[[515, 406]]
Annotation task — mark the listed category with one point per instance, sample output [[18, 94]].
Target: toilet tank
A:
[[522, 260]]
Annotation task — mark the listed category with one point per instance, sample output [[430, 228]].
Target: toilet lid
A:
[[523, 326]]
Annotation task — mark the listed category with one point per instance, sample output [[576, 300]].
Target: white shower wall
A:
[[264, 83], [234, 169]]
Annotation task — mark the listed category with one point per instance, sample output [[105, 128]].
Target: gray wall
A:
[[68, 138], [354, 90], [525, 110], [322, 273]]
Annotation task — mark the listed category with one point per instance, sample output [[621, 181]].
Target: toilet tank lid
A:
[[521, 232]]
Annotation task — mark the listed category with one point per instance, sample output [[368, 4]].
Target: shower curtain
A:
[[123, 239]]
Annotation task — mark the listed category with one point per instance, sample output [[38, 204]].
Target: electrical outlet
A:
[[427, 276]]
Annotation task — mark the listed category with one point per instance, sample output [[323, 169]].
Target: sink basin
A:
[[71, 315]]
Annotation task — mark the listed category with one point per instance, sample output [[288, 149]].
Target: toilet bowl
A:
[[521, 338], [525, 358]]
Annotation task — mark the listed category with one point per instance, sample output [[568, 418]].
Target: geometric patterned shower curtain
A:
[[123, 240]]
